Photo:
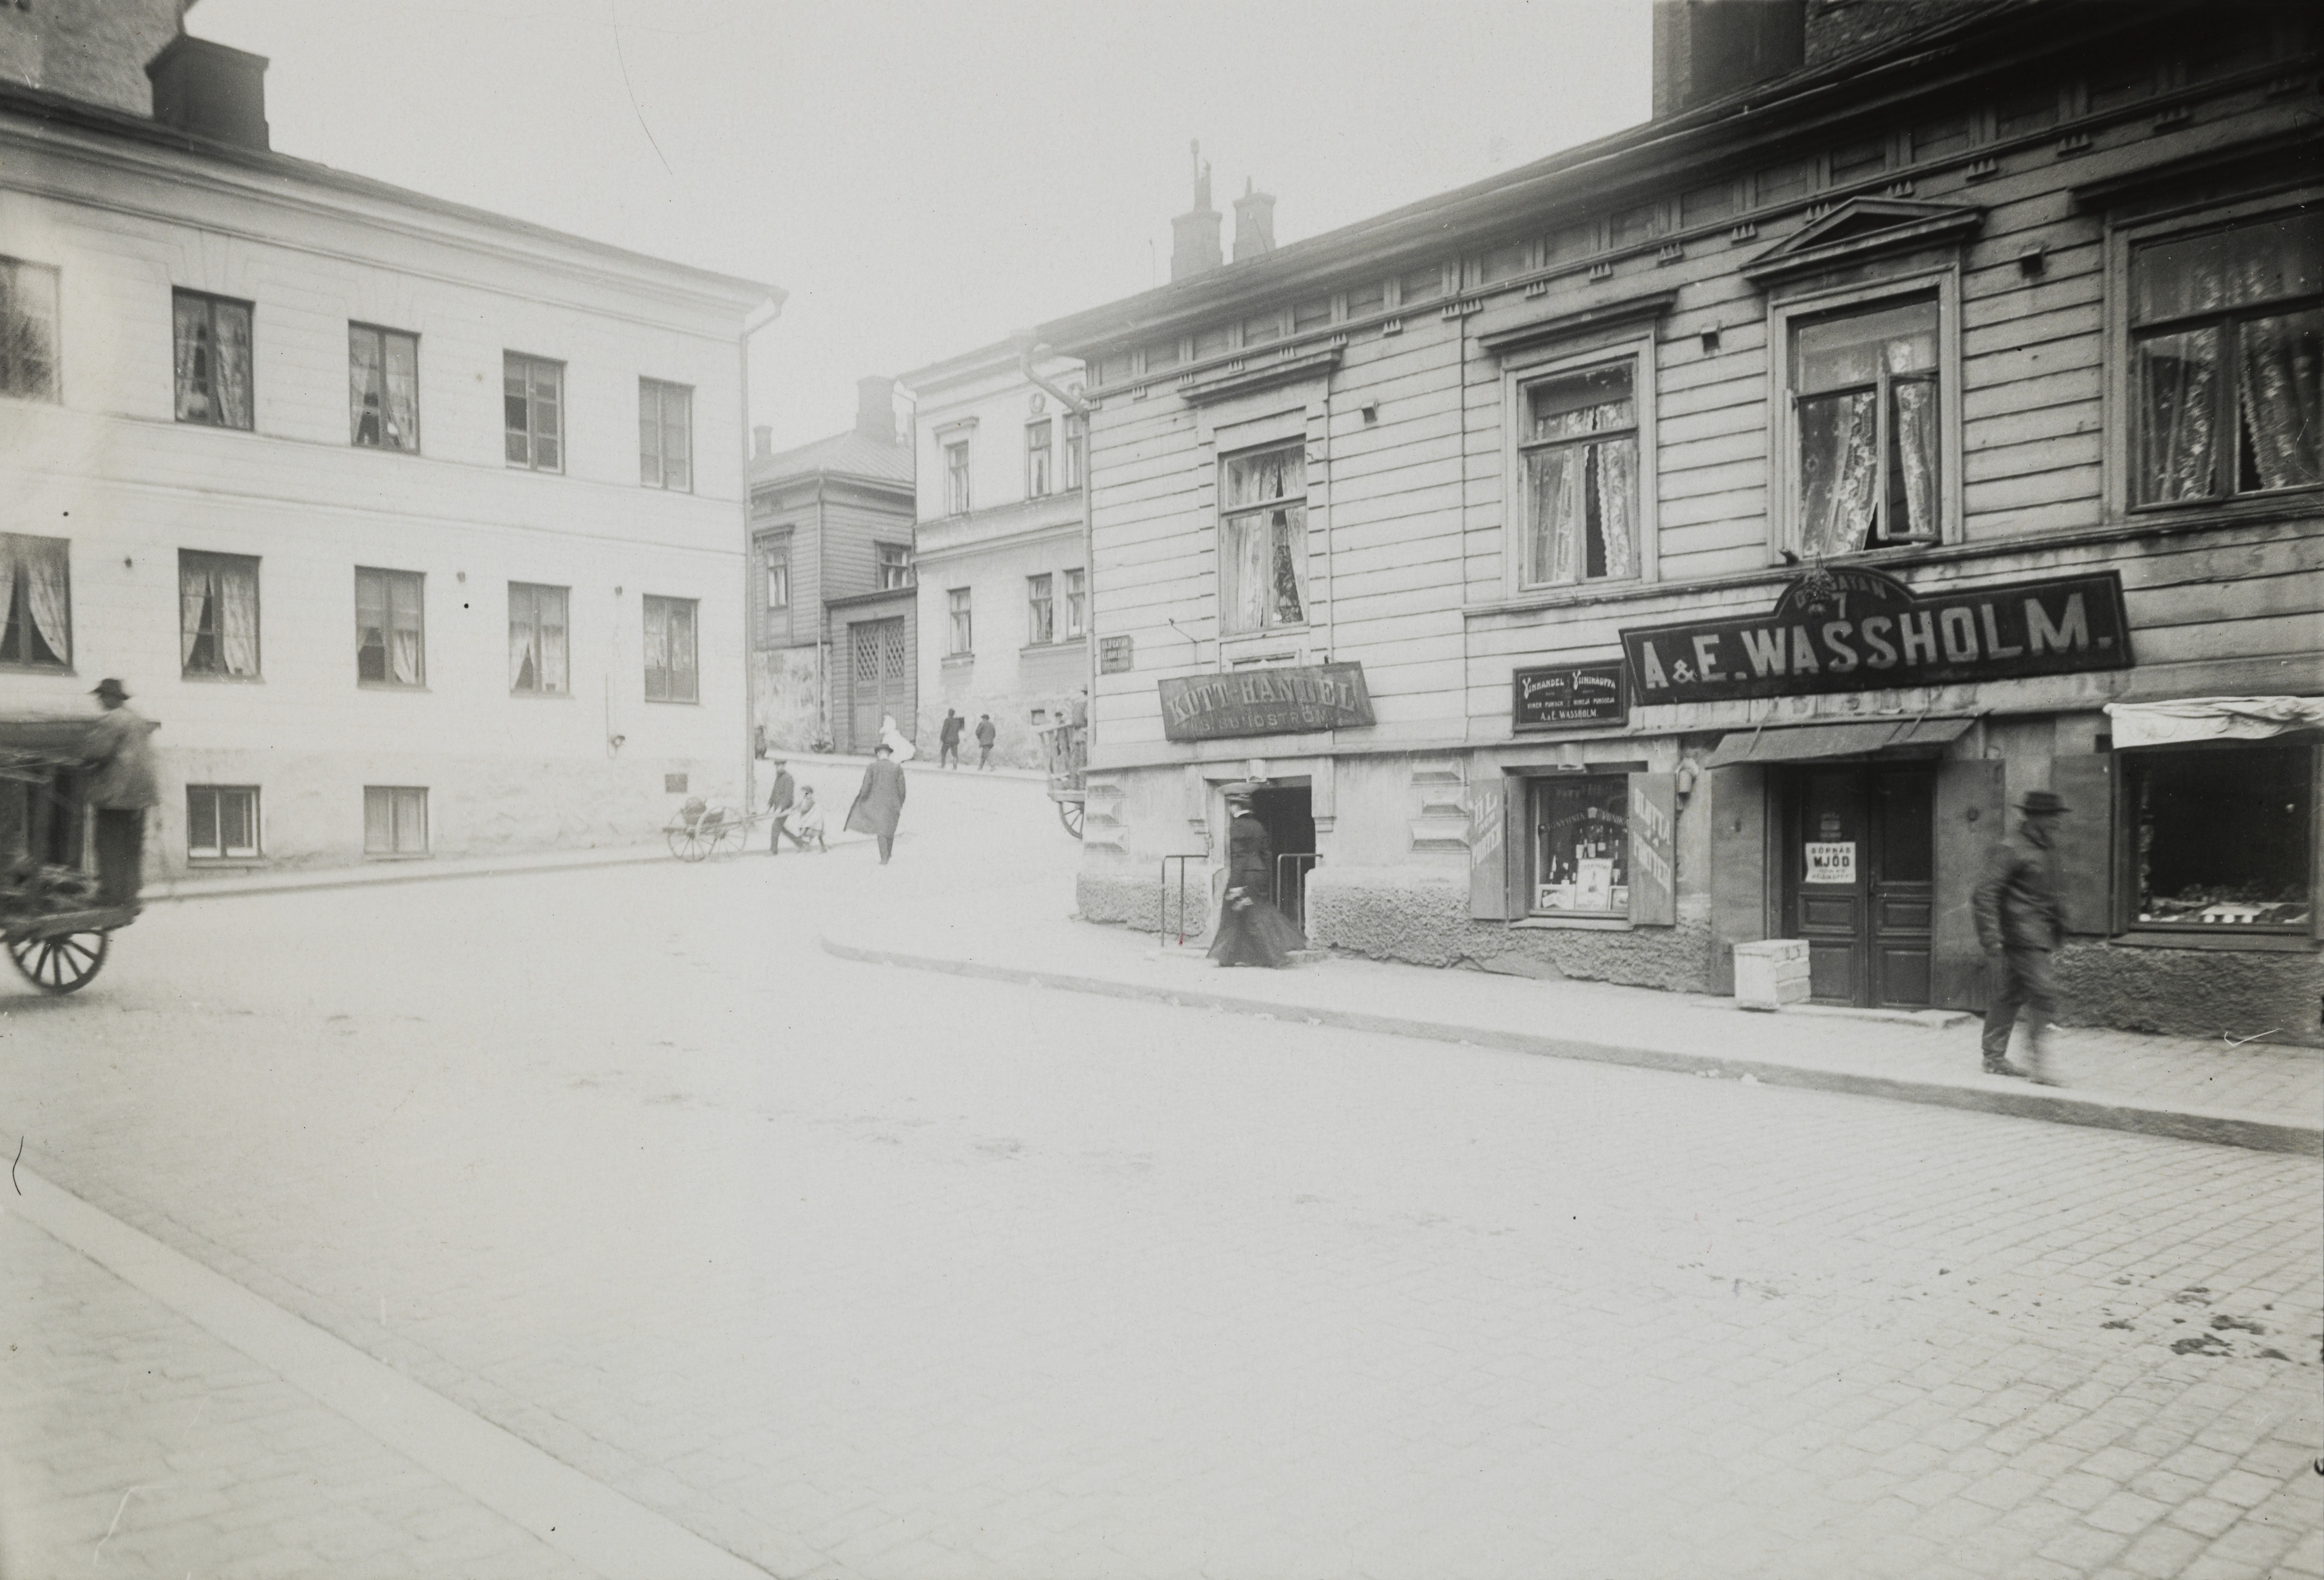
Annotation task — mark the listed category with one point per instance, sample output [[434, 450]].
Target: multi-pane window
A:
[[1076, 604], [1582, 845], [1263, 538], [779, 578], [28, 330], [2220, 835], [1037, 457], [956, 477], [221, 821], [665, 435], [382, 388], [532, 394], [389, 645], [963, 631], [1076, 445], [671, 668], [1580, 455], [35, 601], [212, 359], [537, 641], [895, 566], [1867, 420], [217, 615], [2228, 361], [1040, 610], [395, 819]]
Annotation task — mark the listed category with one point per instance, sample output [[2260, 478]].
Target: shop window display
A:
[[1582, 846], [2222, 837]]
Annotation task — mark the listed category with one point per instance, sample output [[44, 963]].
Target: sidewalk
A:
[[2264, 1097]]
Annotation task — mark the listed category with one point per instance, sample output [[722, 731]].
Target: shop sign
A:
[[1859, 629], [1831, 861], [1266, 702], [1115, 655], [1567, 695]]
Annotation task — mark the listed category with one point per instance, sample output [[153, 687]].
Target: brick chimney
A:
[[1194, 234], [210, 91], [875, 408], [1707, 48], [1254, 223]]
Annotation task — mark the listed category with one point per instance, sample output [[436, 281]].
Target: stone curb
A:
[[407, 872], [2253, 1132]]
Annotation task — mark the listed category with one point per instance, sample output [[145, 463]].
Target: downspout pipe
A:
[[1028, 351], [771, 310]]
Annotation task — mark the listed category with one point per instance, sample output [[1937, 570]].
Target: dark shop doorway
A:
[[1859, 880], [1286, 811]]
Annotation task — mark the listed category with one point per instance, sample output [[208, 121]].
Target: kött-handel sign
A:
[[1266, 702], [1861, 630]]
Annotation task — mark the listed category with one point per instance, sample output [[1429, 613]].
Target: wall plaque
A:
[[1566, 695], [1114, 655], [1266, 702], [1858, 629]]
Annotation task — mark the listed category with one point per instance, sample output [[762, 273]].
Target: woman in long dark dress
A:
[[1251, 931]]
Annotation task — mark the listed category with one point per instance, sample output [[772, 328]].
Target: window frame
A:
[[961, 622], [774, 570], [1073, 453], [668, 605], [540, 688], [221, 852], [1785, 309], [532, 434], [2118, 399], [1040, 609], [662, 391], [2129, 763], [1222, 514], [1076, 591], [1533, 785], [1040, 460], [397, 850], [19, 591], [388, 627], [191, 558], [1518, 376], [13, 270], [213, 301], [891, 565], [956, 477], [380, 334]]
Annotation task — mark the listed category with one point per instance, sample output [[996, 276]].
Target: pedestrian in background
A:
[[948, 740], [1250, 930], [984, 738], [880, 801], [2019, 925], [121, 754], [895, 740], [807, 822], [780, 803]]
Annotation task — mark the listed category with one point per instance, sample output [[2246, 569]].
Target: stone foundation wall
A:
[[789, 698], [2192, 992]]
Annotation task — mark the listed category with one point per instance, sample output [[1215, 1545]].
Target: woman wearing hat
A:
[[121, 757], [1251, 931]]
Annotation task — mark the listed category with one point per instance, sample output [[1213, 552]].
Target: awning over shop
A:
[[2212, 719], [1856, 738]]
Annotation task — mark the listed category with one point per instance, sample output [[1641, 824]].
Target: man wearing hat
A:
[[2019, 925], [880, 802], [122, 787], [780, 803]]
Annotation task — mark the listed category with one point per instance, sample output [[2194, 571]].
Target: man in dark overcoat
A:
[[948, 740], [2019, 924], [780, 803], [880, 801]]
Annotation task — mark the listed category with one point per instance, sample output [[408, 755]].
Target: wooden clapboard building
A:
[[1705, 535]]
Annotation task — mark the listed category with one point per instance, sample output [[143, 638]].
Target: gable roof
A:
[[852, 454]]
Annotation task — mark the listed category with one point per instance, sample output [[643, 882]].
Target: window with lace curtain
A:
[[1867, 428], [383, 388], [28, 330], [1580, 457], [212, 359], [36, 602], [1263, 538], [390, 643], [537, 642], [218, 615], [2227, 361]]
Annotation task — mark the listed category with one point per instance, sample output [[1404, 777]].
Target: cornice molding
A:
[[1908, 225], [1647, 308], [1314, 362], [2288, 158]]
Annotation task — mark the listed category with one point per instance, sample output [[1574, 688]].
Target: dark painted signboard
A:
[[1567, 695], [1266, 702], [1858, 629]]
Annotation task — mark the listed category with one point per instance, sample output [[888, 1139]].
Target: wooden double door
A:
[[880, 681], [1859, 880]]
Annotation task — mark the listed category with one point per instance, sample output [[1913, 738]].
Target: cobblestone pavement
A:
[[863, 1271]]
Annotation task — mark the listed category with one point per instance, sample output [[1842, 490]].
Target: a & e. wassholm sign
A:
[[1266, 702], [1859, 629]]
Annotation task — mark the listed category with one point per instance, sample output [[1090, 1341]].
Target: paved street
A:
[[860, 1271]]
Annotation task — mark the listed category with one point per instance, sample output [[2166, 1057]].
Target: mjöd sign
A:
[[1266, 702], [1860, 629]]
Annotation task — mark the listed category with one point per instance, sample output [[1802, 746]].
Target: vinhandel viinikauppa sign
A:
[[1857, 629]]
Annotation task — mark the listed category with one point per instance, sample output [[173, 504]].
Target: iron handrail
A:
[[1162, 898]]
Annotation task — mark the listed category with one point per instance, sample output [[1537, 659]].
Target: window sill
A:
[[2219, 938], [221, 427], [406, 855], [675, 701], [1580, 924], [540, 697], [10, 667], [960, 660], [2254, 503], [227, 863], [388, 686], [384, 449], [1050, 647], [203, 677]]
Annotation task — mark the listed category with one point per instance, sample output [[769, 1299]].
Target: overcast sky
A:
[[926, 179]]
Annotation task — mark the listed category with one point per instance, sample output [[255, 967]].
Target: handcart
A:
[[1067, 742], [50, 922], [700, 831]]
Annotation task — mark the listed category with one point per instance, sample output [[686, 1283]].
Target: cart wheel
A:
[[686, 844], [1069, 813], [60, 962], [728, 835]]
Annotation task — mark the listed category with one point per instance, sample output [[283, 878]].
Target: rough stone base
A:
[[2193, 992], [1135, 900]]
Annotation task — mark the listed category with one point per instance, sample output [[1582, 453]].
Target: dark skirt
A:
[[1252, 932]]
